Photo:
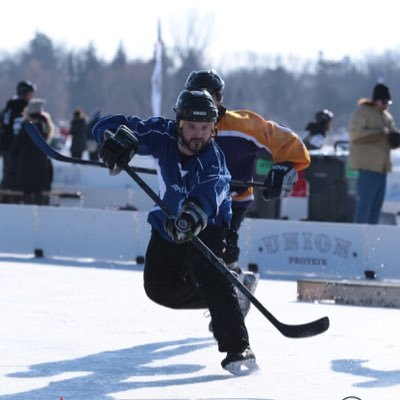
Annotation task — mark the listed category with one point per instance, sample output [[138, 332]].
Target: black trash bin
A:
[[331, 195]]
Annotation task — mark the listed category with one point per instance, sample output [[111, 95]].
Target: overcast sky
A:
[[285, 27]]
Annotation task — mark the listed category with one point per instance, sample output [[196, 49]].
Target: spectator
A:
[[34, 172], [78, 130], [11, 119], [317, 129], [369, 128]]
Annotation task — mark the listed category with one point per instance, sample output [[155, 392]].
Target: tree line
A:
[[68, 79]]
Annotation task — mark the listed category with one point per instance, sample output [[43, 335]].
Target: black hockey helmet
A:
[[324, 116], [206, 80], [24, 87], [196, 105]]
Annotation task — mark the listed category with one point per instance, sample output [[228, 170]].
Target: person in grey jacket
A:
[[369, 128]]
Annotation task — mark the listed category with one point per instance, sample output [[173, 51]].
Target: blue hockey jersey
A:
[[204, 177]]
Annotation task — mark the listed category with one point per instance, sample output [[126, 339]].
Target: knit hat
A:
[[381, 92], [35, 106]]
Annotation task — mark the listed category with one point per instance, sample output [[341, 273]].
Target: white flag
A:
[[156, 78]]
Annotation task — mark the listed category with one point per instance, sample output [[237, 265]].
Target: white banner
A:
[[156, 78]]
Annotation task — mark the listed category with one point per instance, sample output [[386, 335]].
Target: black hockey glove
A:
[[118, 148], [191, 221], [280, 181]]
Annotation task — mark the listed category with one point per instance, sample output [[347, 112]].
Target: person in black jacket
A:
[[11, 119], [33, 172], [78, 130]]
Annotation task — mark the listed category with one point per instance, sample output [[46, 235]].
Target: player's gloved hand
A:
[[111, 123], [118, 148], [280, 181], [191, 221]]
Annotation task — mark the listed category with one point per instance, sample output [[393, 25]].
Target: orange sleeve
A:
[[282, 143]]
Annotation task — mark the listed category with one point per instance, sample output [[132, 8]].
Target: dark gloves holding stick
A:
[[280, 181], [190, 222], [118, 148]]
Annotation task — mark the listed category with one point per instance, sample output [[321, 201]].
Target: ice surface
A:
[[80, 332]]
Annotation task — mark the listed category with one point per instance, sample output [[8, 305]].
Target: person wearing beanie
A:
[[381, 92], [369, 128]]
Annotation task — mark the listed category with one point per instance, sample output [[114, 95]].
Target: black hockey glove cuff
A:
[[280, 181], [118, 148], [191, 221]]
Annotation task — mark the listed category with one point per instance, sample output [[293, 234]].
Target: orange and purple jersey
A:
[[243, 134]]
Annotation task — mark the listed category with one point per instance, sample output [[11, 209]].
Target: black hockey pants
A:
[[231, 254], [179, 276]]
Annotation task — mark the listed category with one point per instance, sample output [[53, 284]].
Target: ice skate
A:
[[250, 280], [240, 363]]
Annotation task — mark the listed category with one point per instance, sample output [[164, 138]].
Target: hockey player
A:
[[194, 184], [242, 134]]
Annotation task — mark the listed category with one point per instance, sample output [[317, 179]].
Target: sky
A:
[[290, 28]]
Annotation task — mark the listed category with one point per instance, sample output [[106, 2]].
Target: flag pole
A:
[[156, 78]]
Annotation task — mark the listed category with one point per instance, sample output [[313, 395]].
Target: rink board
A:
[[356, 293]]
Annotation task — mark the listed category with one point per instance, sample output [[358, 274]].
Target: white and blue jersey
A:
[[204, 177]]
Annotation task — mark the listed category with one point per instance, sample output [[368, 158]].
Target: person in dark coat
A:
[[78, 129], [10, 121], [33, 166]]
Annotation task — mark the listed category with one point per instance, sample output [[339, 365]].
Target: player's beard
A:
[[195, 146]]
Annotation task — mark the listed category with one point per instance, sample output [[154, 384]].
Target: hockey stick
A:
[[55, 155], [40, 142], [292, 331]]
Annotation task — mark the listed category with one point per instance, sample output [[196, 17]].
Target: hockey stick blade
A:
[[41, 143], [308, 329]]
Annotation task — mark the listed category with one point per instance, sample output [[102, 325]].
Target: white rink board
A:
[[280, 248]]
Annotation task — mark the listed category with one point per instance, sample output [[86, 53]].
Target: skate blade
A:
[[242, 367]]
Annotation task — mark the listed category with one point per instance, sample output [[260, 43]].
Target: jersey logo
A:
[[179, 189]]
